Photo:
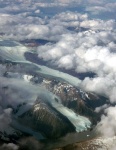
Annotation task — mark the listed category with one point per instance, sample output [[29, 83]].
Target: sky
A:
[[81, 35]]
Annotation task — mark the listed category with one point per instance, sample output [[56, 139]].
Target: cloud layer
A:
[[84, 35], [108, 122]]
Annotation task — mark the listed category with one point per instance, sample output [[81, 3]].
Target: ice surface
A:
[[15, 52], [59, 75], [81, 123]]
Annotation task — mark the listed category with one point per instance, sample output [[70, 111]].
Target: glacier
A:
[[14, 52]]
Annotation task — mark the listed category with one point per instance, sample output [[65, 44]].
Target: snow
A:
[[16, 54], [87, 95], [81, 123], [37, 107], [27, 78], [58, 75]]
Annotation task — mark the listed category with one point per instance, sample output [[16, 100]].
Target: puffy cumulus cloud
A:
[[107, 125], [68, 19], [67, 2], [95, 2], [101, 85], [98, 24], [2, 69], [30, 25], [90, 5], [22, 26], [101, 7], [66, 62], [99, 109], [81, 44], [14, 92], [88, 49], [24, 143], [5, 120], [30, 143], [9, 146], [113, 147], [21, 20], [91, 49], [8, 96], [96, 9], [29, 5], [8, 100], [26, 20]]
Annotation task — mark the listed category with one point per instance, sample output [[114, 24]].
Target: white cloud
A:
[[107, 125], [101, 108], [5, 120], [92, 50], [66, 62], [101, 85], [82, 44], [103, 7], [9, 146], [84, 48]]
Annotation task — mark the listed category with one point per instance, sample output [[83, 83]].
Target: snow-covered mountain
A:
[[45, 103]]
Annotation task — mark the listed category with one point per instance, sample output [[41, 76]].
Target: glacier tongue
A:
[[81, 123], [14, 52]]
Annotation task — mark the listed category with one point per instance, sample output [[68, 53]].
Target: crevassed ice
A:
[[16, 52], [81, 123]]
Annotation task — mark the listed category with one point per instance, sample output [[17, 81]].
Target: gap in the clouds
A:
[[51, 11], [33, 57], [7, 43], [103, 16], [35, 42], [80, 29]]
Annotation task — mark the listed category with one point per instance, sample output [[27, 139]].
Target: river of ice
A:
[[14, 52]]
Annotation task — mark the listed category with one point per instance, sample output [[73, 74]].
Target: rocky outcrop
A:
[[94, 144], [47, 120], [83, 103]]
